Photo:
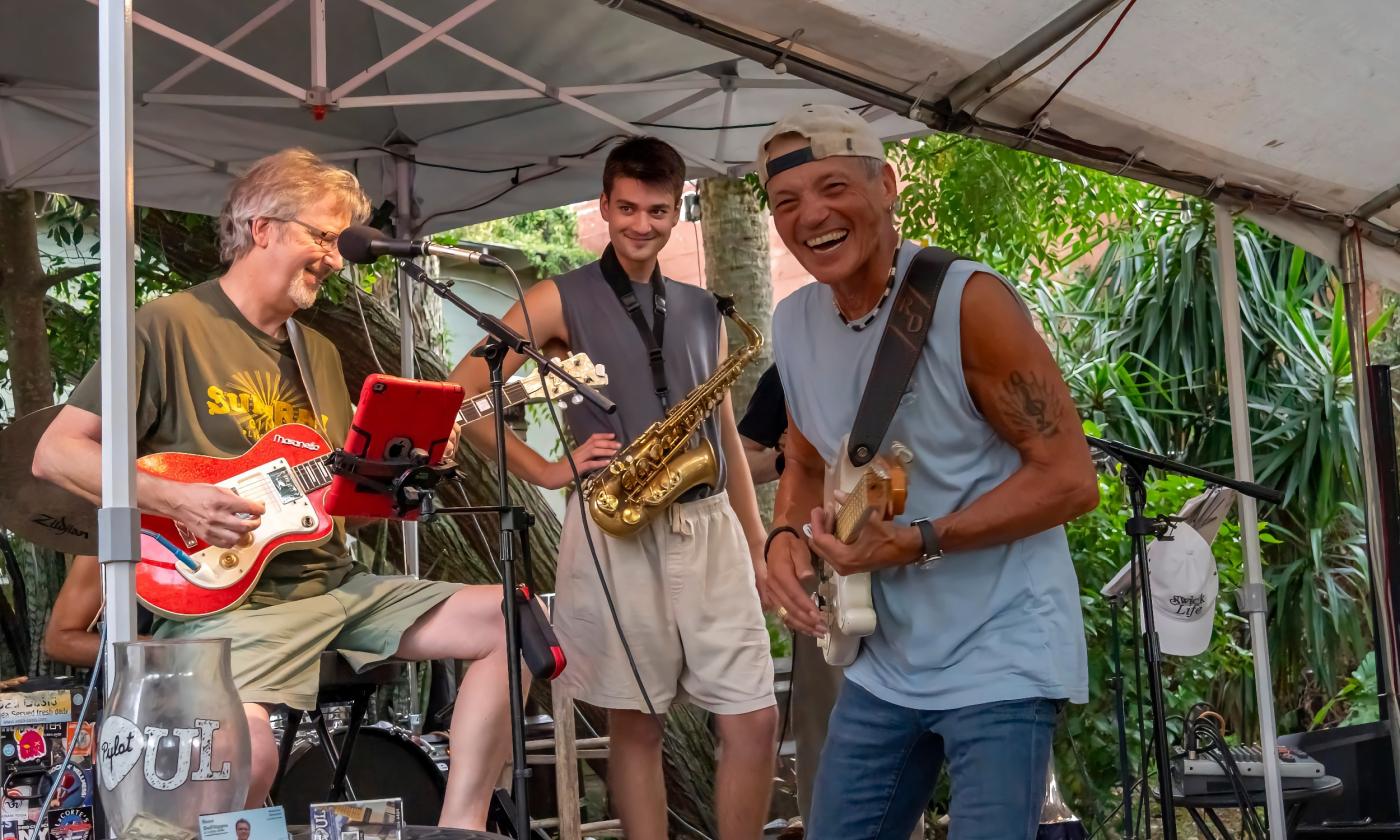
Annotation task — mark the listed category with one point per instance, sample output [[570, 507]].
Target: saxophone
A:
[[660, 465]]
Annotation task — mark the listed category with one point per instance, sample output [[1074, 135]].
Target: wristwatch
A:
[[932, 551]]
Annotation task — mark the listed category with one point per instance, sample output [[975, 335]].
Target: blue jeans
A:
[[881, 761]]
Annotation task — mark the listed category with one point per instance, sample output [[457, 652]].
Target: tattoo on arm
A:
[[1030, 405]]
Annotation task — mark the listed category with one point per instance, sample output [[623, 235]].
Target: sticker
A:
[[31, 708], [30, 745]]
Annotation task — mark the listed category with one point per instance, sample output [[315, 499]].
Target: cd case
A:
[[361, 819]]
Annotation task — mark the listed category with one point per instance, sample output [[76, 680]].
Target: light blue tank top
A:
[[982, 626]]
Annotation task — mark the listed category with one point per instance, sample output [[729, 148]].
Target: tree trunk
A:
[[737, 264], [23, 284]]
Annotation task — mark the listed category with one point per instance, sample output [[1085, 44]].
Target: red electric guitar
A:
[[182, 577]]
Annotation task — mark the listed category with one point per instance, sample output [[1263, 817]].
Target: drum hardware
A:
[[387, 761]]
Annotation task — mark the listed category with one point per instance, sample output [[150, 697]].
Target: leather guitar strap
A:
[[906, 331], [298, 340]]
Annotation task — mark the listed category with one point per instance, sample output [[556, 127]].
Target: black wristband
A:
[[773, 534]]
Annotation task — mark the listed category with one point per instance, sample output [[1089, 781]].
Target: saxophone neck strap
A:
[[653, 334]]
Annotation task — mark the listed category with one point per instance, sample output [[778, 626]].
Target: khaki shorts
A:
[[277, 648], [684, 591]]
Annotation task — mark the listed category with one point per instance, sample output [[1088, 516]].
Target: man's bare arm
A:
[[1018, 388], [69, 637], [70, 455], [472, 373]]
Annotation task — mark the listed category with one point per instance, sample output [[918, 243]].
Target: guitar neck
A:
[[480, 405], [853, 511], [313, 474]]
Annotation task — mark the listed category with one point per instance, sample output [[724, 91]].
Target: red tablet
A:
[[393, 417]]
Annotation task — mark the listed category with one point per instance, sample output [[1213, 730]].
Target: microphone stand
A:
[[1135, 463], [515, 521]]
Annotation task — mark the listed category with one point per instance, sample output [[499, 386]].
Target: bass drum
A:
[[388, 762]]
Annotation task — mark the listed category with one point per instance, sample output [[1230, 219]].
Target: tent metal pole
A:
[[213, 53], [237, 35], [118, 523], [318, 44], [1252, 599], [530, 81], [422, 40], [1379, 203], [403, 227], [1354, 295], [1000, 68]]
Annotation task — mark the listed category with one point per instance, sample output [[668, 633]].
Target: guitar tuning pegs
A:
[[902, 453]]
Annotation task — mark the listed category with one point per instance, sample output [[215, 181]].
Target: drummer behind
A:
[[71, 635]]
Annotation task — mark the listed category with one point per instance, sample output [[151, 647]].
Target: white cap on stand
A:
[[1184, 587]]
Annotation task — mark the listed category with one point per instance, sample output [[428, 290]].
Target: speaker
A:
[[1359, 756]]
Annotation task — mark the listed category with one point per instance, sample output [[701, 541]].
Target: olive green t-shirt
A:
[[210, 383]]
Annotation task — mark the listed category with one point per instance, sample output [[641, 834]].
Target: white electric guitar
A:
[[880, 488]]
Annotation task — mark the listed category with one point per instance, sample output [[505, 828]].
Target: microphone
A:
[[364, 244]]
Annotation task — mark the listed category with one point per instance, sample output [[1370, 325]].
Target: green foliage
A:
[[1140, 340], [1358, 696], [549, 238], [164, 264], [1020, 213]]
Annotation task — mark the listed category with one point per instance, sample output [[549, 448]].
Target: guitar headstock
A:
[[882, 489], [579, 366]]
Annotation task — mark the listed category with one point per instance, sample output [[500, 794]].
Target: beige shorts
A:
[[684, 591], [277, 649]]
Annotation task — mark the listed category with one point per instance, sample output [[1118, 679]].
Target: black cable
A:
[[77, 730], [418, 162], [1111, 814], [518, 182], [1085, 63]]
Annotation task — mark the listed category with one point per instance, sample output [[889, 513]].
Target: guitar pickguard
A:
[[288, 512]]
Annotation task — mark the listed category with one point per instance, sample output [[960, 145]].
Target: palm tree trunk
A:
[[737, 264]]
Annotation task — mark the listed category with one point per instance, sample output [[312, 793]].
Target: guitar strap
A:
[[906, 331], [298, 340]]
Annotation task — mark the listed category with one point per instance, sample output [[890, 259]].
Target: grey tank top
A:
[[600, 327]]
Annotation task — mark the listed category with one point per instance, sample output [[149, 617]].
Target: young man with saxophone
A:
[[978, 636], [684, 570]]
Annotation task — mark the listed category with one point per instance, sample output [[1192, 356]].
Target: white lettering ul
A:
[[184, 738], [206, 753]]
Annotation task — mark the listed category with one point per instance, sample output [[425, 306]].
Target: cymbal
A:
[[36, 510]]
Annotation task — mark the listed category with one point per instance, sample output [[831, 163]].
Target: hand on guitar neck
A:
[[878, 543]]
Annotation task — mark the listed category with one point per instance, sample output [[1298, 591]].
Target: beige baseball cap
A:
[[832, 131]]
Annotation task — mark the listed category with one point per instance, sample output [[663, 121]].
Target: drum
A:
[[388, 762]]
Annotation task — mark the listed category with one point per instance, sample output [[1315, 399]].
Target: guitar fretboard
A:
[[480, 406], [312, 474], [853, 510]]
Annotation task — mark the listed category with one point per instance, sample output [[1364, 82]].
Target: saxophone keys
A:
[[631, 516]]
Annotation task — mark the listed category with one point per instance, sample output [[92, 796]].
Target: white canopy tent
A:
[[461, 111]]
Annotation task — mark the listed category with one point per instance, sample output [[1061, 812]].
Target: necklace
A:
[[869, 317]]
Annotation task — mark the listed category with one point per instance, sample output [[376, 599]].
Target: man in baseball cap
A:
[[979, 637]]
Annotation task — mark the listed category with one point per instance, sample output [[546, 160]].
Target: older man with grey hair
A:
[[978, 637], [217, 370]]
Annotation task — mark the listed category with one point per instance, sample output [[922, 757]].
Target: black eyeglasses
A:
[[323, 238]]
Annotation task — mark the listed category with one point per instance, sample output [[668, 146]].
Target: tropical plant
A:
[[549, 238]]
